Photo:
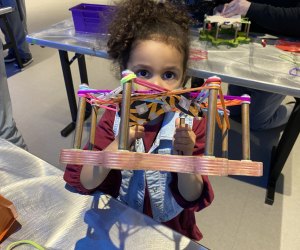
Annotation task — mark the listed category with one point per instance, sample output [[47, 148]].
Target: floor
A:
[[238, 217]]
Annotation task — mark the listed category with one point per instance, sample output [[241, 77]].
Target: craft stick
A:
[[245, 130], [93, 127], [205, 23], [235, 33], [211, 118], [224, 138], [172, 163], [182, 122], [248, 29], [217, 31], [181, 125], [125, 112], [79, 122]]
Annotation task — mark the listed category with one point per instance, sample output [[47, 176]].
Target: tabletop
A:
[[58, 218], [250, 65]]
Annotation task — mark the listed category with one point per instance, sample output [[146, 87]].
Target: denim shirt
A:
[[132, 191]]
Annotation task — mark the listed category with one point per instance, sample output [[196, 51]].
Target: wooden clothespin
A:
[[8, 215]]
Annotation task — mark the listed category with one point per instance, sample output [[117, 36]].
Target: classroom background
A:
[[237, 219]]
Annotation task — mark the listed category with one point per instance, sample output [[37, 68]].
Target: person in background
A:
[[275, 17], [150, 38], [197, 9], [18, 25], [8, 128]]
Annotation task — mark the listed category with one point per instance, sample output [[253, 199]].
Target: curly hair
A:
[[138, 20]]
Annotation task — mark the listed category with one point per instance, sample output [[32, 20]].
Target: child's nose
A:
[[158, 81]]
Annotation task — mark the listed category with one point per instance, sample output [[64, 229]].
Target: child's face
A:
[[158, 63]]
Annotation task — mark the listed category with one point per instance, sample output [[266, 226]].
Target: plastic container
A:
[[92, 18]]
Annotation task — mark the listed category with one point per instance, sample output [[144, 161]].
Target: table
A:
[[57, 218], [244, 66], [62, 36]]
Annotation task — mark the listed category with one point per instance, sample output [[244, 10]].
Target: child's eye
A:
[[169, 75], [143, 73]]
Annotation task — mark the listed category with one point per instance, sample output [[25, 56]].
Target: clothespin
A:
[[182, 122], [264, 42], [209, 26], [181, 125]]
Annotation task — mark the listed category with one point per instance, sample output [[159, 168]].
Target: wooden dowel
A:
[[245, 129], [93, 127], [224, 138], [211, 120], [79, 122], [125, 109]]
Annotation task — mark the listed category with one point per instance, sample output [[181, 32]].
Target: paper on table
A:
[[217, 18]]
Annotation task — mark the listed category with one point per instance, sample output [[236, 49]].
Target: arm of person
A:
[[283, 21], [88, 178], [190, 186], [280, 20], [93, 176], [236, 7], [192, 191], [81, 177]]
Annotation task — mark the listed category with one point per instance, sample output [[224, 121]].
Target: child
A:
[[151, 39]]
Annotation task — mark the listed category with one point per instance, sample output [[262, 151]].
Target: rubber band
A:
[[146, 92], [149, 85], [294, 71], [22, 242], [196, 54], [127, 76], [159, 95], [84, 86], [246, 102], [93, 91], [224, 108], [240, 98], [151, 95], [213, 79]]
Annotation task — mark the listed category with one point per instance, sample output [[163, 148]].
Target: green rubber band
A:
[[21, 242], [127, 78]]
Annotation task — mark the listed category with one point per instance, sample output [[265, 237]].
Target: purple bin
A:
[[92, 18]]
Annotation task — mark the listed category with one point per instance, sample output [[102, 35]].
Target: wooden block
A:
[[8, 215]]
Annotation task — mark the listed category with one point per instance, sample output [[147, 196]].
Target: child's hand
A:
[[184, 139], [135, 132]]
